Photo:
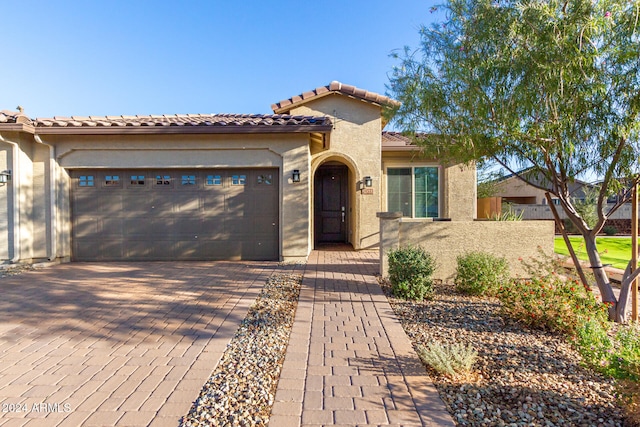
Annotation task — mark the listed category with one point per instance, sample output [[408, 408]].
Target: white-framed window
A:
[[414, 191]]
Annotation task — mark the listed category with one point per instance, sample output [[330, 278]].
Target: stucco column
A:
[[389, 237]]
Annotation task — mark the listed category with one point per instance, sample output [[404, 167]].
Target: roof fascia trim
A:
[[174, 130], [288, 108], [17, 127]]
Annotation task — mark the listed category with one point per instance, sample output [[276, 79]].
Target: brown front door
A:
[[330, 201]]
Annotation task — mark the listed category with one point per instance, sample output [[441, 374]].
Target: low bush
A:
[[410, 273], [480, 273], [455, 360], [610, 230], [617, 356], [550, 301], [629, 392]]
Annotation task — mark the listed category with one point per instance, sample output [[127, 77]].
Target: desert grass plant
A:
[[410, 273], [481, 273], [508, 214], [453, 360]]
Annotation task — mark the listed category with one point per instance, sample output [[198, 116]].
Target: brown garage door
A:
[[173, 214]]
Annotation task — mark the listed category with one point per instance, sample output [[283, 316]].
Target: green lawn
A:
[[613, 250]]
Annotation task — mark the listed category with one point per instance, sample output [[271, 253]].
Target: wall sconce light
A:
[[295, 176], [5, 176], [368, 182]]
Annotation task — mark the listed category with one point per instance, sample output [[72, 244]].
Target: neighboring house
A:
[[205, 187], [532, 203], [513, 189]]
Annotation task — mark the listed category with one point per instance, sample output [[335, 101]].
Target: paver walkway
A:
[[127, 344], [349, 361], [131, 344]]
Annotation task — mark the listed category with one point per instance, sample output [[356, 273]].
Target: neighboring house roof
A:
[[529, 170], [334, 87], [396, 141], [178, 123]]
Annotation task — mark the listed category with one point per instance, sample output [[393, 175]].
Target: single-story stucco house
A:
[[212, 186]]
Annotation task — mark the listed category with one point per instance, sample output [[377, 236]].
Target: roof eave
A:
[[17, 127], [399, 148], [173, 130], [286, 109]]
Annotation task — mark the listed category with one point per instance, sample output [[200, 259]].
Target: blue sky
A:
[[82, 58]]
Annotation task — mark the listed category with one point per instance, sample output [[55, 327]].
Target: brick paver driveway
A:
[[117, 343]]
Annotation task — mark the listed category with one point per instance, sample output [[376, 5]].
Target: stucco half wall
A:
[[446, 240]]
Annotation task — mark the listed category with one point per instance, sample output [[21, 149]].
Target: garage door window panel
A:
[[188, 180], [266, 179], [137, 181], [214, 180], [163, 181], [112, 181], [238, 179], [86, 181]]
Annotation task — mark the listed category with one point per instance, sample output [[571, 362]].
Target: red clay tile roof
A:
[[7, 116], [395, 141], [184, 123], [332, 88]]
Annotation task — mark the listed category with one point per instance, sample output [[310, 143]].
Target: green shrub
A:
[[617, 356], [610, 230], [480, 273], [455, 360], [594, 344], [410, 271], [629, 392], [549, 300]]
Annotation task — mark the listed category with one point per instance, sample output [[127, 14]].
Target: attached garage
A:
[[175, 214]]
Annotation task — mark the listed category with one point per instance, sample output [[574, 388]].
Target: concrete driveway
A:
[[117, 343]]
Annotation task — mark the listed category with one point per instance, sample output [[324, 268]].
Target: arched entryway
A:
[[331, 204]]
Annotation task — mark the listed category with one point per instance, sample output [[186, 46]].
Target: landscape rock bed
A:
[[14, 270], [522, 377], [241, 389]]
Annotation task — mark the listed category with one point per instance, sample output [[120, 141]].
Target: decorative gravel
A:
[[522, 377], [14, 270], [241, 390]]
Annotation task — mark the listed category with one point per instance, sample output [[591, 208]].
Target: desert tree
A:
[[551, 87]]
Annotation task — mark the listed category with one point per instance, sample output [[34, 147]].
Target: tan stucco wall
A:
[[285, 152], [460, 192], [356, 142], [446, 240], [6, 245], [23, 200]]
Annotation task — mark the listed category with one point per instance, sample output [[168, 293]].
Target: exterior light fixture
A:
[[5, 176], [295, 177], [368, 182]]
